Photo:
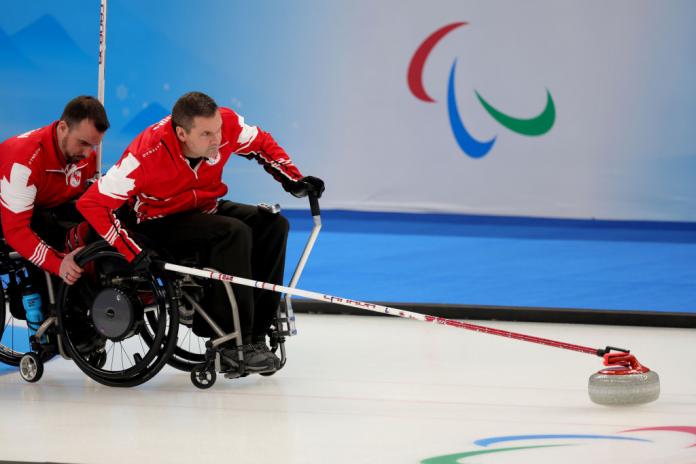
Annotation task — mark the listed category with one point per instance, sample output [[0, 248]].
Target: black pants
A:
[[240, 240]]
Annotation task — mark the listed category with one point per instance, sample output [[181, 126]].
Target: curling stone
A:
[[625, 382]]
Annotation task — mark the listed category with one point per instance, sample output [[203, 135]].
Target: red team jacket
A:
[[153, 169], [35, 173]]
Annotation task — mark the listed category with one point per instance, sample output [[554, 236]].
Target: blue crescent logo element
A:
[[493, 440], [467, 143]]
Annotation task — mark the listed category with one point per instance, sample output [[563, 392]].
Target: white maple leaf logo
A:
[[247, 135], [116, 183], [15, 194]]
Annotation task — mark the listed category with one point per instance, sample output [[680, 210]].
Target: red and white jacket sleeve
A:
[[98, 204], [252, 142], [17, 195]]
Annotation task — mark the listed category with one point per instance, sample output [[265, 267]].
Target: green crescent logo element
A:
[[455, 458], [537, 125]]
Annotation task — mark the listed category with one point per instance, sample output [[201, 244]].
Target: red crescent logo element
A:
[[673, 428], [415, 68]]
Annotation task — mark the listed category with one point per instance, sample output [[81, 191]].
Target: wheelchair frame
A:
[[204, 374]]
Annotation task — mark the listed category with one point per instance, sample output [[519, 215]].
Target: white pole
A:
[[102, 64]]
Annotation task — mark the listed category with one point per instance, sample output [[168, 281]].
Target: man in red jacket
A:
[[41, 172], [173, 171]]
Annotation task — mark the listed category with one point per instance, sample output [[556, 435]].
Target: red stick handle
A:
[[514, 335]]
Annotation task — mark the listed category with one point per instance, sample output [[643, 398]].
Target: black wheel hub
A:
[[115, 315]]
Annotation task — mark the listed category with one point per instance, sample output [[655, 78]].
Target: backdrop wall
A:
[[606, 87]]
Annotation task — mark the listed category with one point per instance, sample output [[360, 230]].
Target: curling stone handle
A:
[[603, 352], [622, 359]]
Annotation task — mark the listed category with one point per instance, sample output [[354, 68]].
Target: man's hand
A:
[[307, 184], [69, 270]]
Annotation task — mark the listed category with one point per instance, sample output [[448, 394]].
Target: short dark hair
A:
[[85, 107], [189, 106]]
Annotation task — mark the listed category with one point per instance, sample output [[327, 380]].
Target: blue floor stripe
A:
[[496, 226], [405, 258]]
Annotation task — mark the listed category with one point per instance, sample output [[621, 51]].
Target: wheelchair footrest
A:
[[286, 326]]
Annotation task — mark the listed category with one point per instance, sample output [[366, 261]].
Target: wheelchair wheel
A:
[[31, 367], [102, 319], [189, 351], [203, 377], [14, 341], [14, 336], [190, 348]]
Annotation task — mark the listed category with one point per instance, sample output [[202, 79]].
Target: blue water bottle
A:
[[31, 300]]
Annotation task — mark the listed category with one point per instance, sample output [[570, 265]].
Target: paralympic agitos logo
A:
[[537, 125], [490, 445]]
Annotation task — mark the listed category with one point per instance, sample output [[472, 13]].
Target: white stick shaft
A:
[[102, 70], [297, 292], [378, 308]]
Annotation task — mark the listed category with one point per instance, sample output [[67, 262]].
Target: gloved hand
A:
[[78, 236], [305, 185], [144, 261]]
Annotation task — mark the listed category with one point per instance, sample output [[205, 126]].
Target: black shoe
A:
[[255, 361], [261, 347], [229, 361]]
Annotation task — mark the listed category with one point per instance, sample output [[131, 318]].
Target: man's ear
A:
[[180, 133], [63, 127]]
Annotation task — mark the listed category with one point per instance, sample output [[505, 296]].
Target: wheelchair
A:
[[121, 327], [200, 355], [99, 322]]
